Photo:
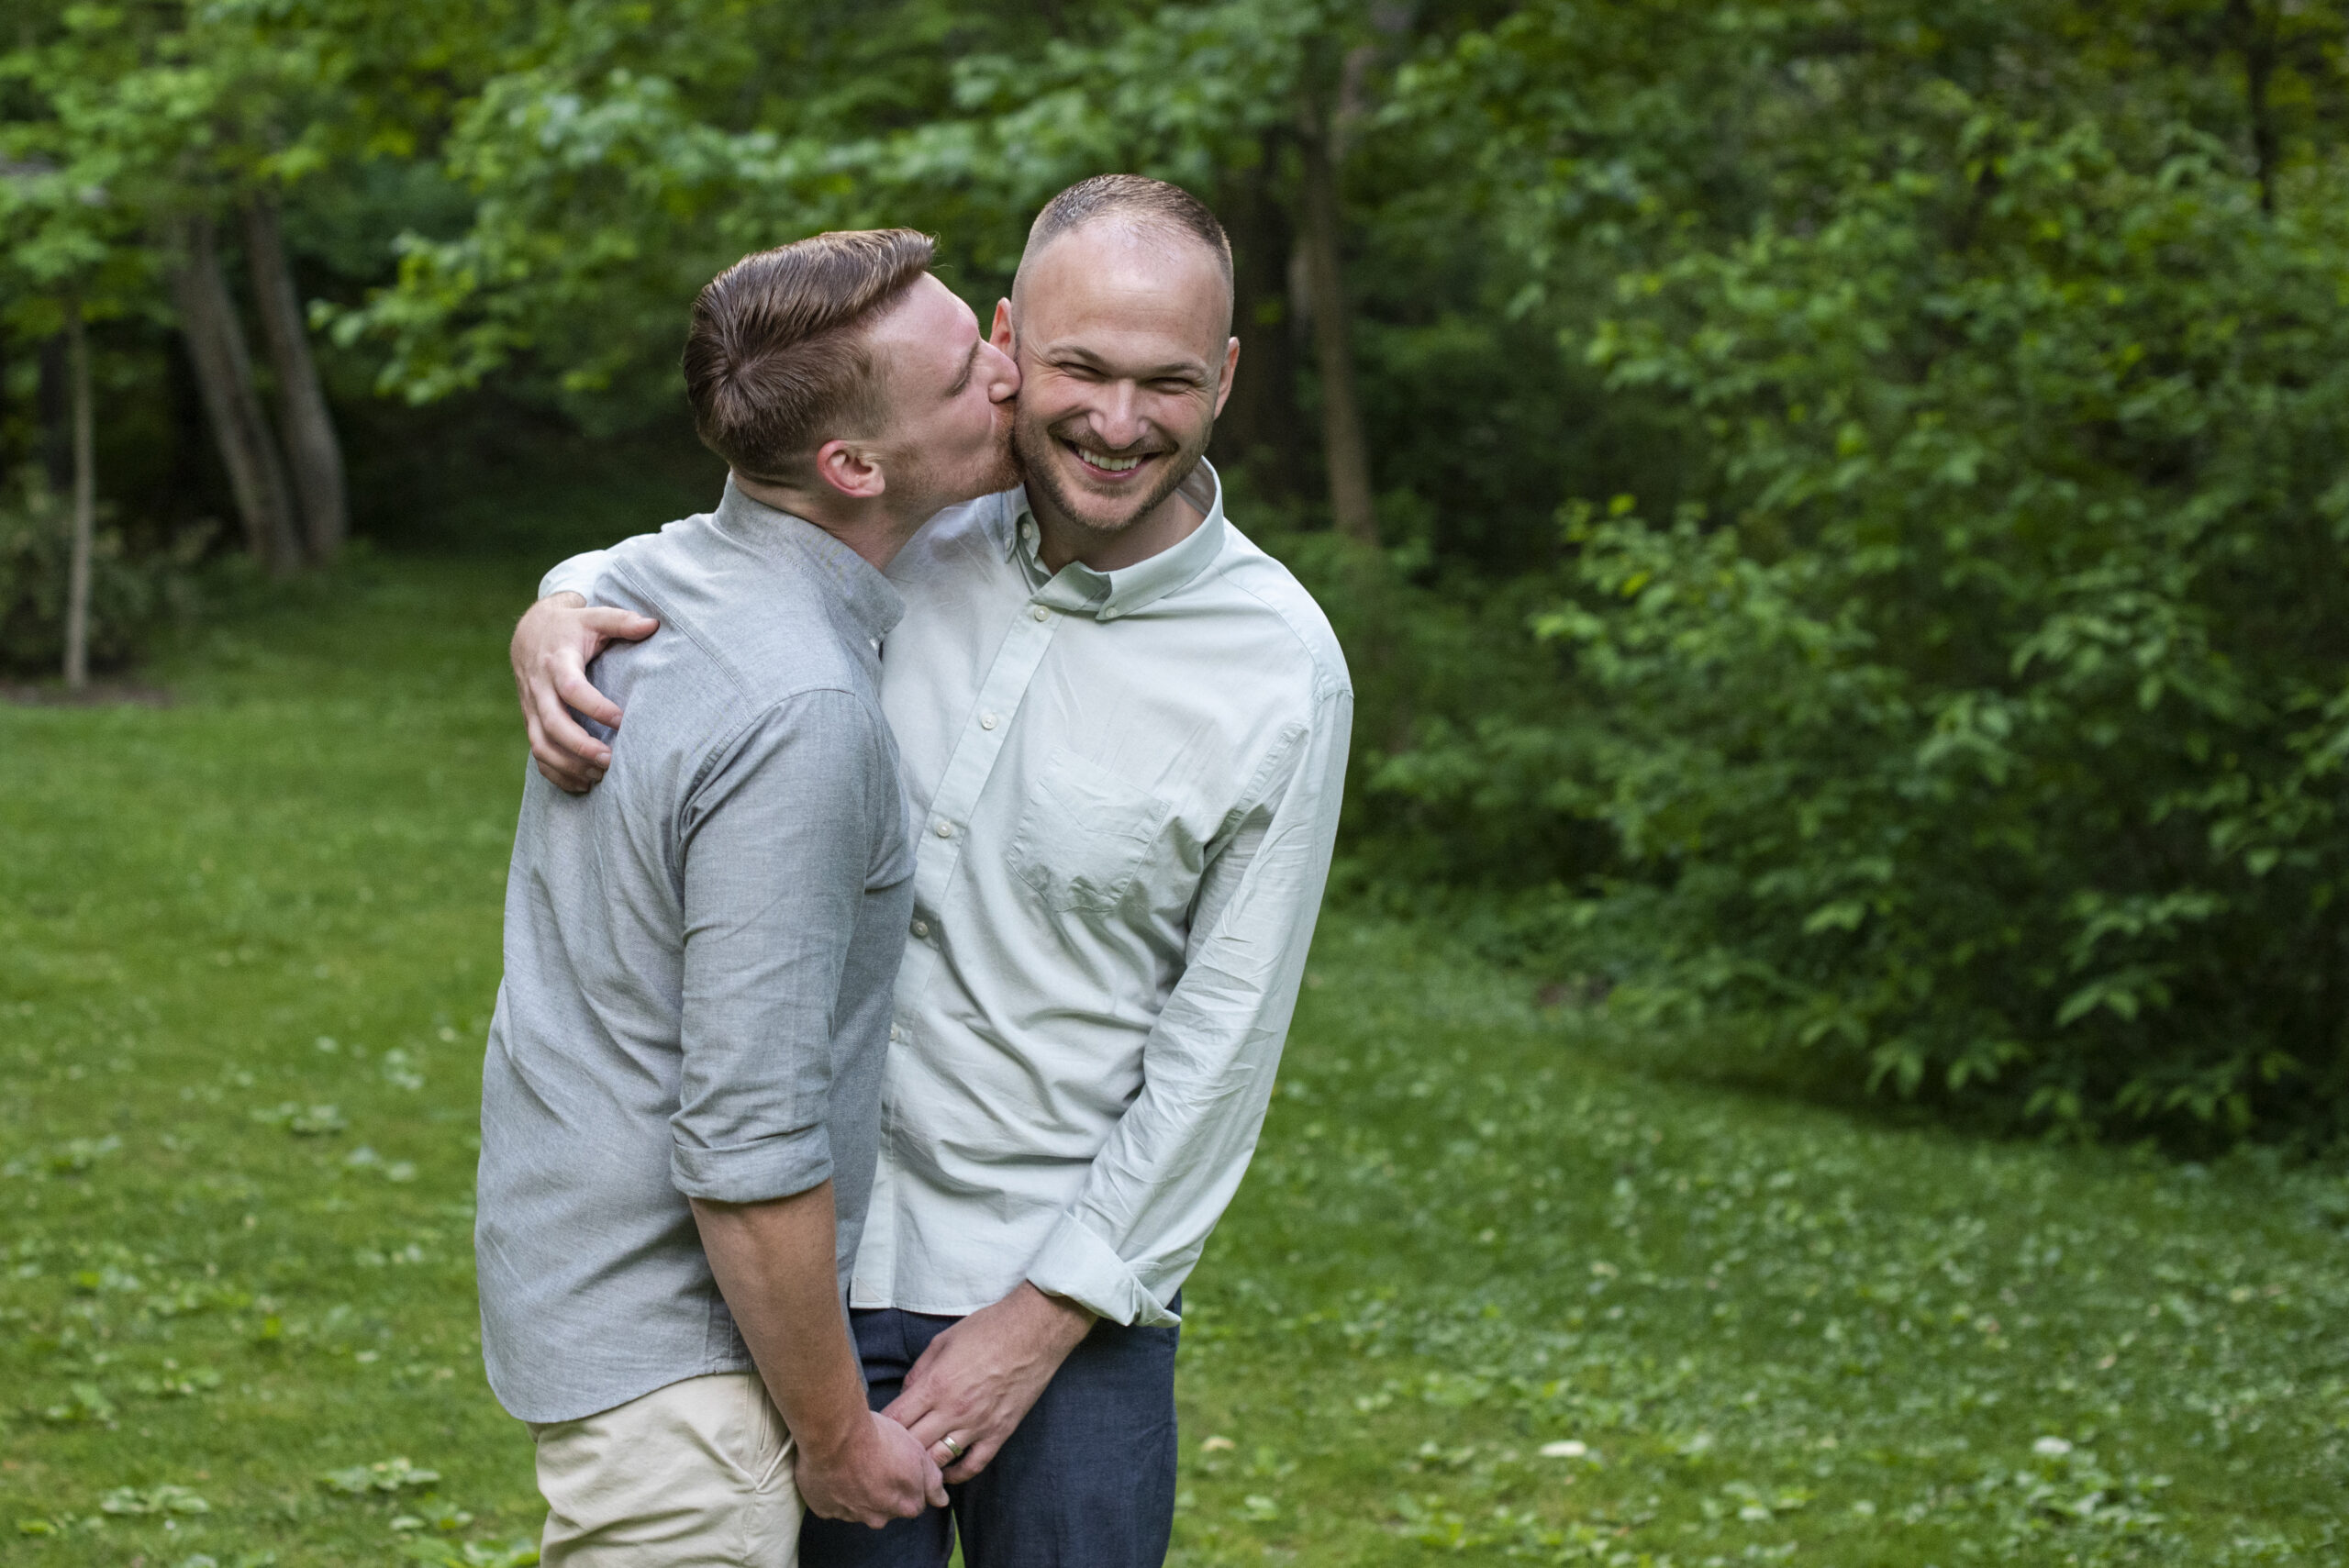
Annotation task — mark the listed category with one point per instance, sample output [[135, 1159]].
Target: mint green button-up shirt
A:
[[1124, 788]]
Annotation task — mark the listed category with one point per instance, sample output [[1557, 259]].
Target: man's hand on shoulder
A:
[[553, 644], [877, 1474], [978, 1380]]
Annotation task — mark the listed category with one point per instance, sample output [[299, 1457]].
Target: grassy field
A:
[[1492, 1292]]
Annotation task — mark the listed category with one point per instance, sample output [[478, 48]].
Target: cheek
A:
[[1183, 418], [1046, 399]]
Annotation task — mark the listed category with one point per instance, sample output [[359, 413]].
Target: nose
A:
[[1118, 419], [1002, 373]]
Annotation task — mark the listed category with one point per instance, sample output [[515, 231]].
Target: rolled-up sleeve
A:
[[1177, 1156], [775, 861], [576, 575]]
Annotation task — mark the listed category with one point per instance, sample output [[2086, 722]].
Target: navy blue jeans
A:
[[1086, 1482]]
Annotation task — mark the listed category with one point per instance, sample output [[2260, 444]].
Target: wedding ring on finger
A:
[[951, 1446]]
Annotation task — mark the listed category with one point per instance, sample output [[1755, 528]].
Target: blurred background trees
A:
[[1837, 507]]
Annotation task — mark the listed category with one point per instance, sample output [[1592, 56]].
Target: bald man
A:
[[1123, 735]]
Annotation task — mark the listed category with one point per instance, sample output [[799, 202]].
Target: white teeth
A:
[[1113, 465]]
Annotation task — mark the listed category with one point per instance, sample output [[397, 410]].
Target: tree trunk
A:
[[1261, 430], [2255, 35], [312, 452], [1350, 508], [85, 504], [224, 375], [55, 398]]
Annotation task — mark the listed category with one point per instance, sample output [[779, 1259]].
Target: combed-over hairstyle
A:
[[1148, 205], [776, 361]]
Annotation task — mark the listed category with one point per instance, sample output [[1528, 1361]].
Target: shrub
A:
[[128, 594], [1987, 729]]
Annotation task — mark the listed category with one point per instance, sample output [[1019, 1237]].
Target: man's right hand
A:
[[881, 1473], [553, 644]]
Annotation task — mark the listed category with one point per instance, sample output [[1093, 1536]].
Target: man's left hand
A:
[[978, 1380]]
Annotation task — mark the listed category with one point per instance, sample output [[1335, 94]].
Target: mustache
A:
[[1079, 432]]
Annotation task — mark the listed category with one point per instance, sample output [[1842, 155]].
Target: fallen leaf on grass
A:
[[166, 1498], [388, 1475]]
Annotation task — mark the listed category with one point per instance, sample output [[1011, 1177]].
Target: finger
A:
[[930, 1426], [563, 732], [568, 782], [565, 771], [559, 769], [572, 685], [913, 1406], [937, 1487], [983, 1451], [625, 624]]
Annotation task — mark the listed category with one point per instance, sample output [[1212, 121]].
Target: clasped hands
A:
[[963, 1399], [976, 1382]]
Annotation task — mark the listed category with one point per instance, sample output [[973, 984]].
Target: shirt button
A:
[[1040, 613], [946, 829], [896, 1033], [921, 928], [1027, 532], [987, 721]]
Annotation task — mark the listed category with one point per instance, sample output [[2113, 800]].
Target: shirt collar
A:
[[1109, 595], [871, 601]]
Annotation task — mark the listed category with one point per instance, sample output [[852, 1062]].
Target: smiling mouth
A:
[[1102, 465]]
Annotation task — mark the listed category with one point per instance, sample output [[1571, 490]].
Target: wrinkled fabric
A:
[[1123, 790], [699, 957]]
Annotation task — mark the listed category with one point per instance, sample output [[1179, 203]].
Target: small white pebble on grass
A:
[[2051, 1448], [1569, 1448]]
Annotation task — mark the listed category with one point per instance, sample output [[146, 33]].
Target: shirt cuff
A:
[[1080, 1265], [572, 577], [753, 1172]]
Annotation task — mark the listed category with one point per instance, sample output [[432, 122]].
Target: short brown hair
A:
[[1139, 200], [776, 358]]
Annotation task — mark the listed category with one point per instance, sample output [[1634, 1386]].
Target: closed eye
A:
[[970, 364]]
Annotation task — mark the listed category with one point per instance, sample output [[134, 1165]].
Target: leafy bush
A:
[[1987, 732], [128, 594]]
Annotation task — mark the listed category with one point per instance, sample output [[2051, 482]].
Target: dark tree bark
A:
[[55, 399], [313, 454], [1342, 438], [2255, 30], [1262, 429], [224, 376], [85, 502]]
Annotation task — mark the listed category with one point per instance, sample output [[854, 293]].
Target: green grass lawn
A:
[[1491, 1292]]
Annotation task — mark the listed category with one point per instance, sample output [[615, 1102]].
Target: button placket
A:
[[968, 768]]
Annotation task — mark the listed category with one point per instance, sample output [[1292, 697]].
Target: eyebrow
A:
[[969, 361]]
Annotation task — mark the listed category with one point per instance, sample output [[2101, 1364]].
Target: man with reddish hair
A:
[[680, 1103], [1124, 733]]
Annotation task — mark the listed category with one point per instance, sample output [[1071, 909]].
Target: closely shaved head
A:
[[1152, 211]]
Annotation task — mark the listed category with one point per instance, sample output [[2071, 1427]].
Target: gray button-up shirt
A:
[[1125, 787], [698, 961]]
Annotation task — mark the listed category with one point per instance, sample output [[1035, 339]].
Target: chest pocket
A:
[[1083, 835]]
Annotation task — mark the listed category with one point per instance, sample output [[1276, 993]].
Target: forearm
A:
[[774, 1265]]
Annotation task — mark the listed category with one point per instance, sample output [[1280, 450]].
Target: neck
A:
[[1063, 538], [872, 528]]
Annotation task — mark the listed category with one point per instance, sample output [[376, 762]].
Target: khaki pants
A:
[[697, 1475]]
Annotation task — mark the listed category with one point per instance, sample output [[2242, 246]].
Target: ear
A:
[[1004, 336], [851, 470], [1230, 368]]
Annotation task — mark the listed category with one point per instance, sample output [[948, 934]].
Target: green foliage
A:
[[130, 596], [1941, 680], [1978, 719]]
